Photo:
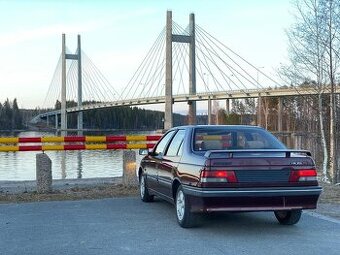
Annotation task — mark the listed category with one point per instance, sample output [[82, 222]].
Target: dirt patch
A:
[[75, 193], [330, 193]]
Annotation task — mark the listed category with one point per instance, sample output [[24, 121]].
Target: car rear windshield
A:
[[234, 138]]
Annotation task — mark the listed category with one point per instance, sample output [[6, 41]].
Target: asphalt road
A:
[[128, 226]]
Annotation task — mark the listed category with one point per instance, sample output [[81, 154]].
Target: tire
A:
[[185, 218], [288, 217], [143, 190]]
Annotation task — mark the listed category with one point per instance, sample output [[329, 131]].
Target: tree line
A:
[[300, 123], [123, 117], [10, 115]]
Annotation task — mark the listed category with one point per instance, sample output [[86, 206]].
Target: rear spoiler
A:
[[286, 153]]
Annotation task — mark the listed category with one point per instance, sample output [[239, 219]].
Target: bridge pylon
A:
[[190, 39], [63, 113]]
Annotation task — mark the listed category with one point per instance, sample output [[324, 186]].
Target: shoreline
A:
[[18, 187]]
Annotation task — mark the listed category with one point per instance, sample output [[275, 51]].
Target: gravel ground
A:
[[330, 193], [17, 192], [329, 202]]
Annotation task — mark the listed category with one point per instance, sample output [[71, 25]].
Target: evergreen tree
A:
[[7, 115], [16, 116], [1, 116]]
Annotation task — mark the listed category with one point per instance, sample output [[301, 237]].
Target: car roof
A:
[[217, 126]]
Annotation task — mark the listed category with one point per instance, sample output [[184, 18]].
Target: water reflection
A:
[[80, 165], [65, 164]]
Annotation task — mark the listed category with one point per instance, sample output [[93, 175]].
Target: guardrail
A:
[[78, 143], [44, 163]]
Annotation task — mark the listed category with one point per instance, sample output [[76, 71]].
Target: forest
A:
[[123, 117], [10, 115]]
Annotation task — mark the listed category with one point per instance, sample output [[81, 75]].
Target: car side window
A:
[[175, 145], [161, 145]]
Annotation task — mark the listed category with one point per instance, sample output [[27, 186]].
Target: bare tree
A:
[[266, 110], [331, 10], [307, 55]]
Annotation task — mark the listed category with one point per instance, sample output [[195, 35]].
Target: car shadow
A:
[[242, 223]]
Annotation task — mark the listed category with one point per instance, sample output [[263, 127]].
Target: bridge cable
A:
[[130, 85], [91, 85], [177, 51], [231, 67], [160, 65], [71, 81], [101, 78], [102, 88], [216, 42], [177, 59], [146, 68], [51, 88], [184, 52], [93, 90], [216, 82], [143, 78], [204, 61], [153, 69], [225, 76]]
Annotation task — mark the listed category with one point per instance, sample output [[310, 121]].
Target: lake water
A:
[[16, 166]]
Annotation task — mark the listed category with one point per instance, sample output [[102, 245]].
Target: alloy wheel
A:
[[180, 205], [142, 186]]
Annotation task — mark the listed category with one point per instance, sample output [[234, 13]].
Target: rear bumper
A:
[[252, 199], [252, 192]]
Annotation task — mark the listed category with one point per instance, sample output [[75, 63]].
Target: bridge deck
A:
[[218, 95]]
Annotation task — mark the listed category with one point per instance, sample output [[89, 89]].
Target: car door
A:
[[154, 159], [169, 163]]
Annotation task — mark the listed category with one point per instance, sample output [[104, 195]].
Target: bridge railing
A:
[[59, 143]]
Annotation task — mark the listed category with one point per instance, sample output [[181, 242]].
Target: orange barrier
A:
[[66, 139], [111, 143], [77, 147]]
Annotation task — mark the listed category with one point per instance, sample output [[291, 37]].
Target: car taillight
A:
[[218, 176], [302, 175]]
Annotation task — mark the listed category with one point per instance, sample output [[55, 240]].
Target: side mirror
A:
[[144, 152]]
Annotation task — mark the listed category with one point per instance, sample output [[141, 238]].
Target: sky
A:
[[117, 34]]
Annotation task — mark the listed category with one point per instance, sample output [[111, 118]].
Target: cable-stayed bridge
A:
[[183, 65]]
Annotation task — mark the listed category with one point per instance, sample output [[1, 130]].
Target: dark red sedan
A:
[[228, 168]]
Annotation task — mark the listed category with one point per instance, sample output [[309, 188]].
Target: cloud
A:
[[84, 26], [36, 33], [28, 79]]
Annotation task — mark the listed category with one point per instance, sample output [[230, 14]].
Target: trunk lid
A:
[[259, 168]]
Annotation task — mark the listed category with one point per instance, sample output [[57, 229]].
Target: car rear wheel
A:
[[143, 190], [185, 218], [290, 217]]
